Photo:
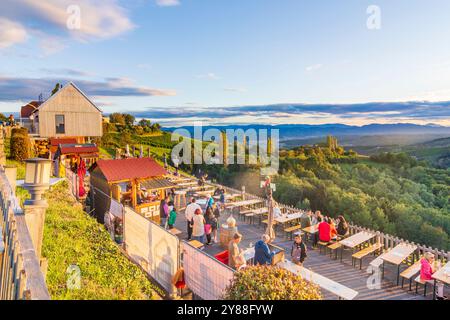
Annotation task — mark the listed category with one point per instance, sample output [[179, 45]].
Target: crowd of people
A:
[[203, 226]]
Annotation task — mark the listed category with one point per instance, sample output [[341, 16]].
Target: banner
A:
[[152, 247], [204, 275]]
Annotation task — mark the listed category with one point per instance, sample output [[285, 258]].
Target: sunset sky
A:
[[234, 61]]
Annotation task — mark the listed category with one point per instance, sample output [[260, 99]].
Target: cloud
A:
[[167, 3], [98, 20], [389, 111], [209, 76], [22, 89], [313, 67], [11, 33], [232, 89], [66, 72]]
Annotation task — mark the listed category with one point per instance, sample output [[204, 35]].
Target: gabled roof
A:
[[129, 169], [70, 84], [78, 148], [57, 141], [29, 108]]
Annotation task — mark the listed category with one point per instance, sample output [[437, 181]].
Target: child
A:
[[172, 218], [298, 250]]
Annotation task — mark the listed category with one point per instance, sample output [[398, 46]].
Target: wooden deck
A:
[[341, 272]]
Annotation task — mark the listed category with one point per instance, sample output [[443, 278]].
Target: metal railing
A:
[[20, 272]]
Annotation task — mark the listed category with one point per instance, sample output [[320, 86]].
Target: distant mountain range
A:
[[291, 134]]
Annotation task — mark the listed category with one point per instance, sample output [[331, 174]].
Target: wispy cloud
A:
[[209, 76], [65, 72], [11, 33], [314, 67], [167, 3], [99, 20], [232, 89], [20, 89]]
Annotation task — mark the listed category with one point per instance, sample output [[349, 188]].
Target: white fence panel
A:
[[204, 275], [152, 247]]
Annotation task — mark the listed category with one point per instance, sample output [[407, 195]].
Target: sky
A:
[[234, 61]]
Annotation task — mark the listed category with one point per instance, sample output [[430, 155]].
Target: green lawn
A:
[[71, 237]]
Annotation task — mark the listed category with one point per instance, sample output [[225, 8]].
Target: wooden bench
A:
[[243, 213], [324, 245], [290, 230], [365, 252], [266, 221], [196, 244], [422, 282], [334, 247], [175, 231], [409, 273]]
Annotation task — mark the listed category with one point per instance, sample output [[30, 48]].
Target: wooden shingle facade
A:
[[68, 113]]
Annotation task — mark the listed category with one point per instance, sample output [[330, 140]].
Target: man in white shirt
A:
[[189, 214]]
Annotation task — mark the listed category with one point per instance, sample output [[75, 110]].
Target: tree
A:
[[117, 118], [129, 119], [20, 146], [56, 88], [270, 283]]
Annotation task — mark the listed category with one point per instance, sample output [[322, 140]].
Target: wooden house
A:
[[139, 183], [69, 155], [67, 113]]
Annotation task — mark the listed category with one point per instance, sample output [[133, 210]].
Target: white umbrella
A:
[[141, 155]]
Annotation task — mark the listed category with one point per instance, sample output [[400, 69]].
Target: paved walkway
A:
[[341, 272]]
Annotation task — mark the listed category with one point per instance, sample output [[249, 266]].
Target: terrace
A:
[[337, 273]]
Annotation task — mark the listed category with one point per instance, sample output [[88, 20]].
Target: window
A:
[[59, 121]]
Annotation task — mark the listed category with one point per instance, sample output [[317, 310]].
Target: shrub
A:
[[270, 283], [20, 146]]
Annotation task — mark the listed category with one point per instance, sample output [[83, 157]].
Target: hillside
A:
[[392, 193], [71, 237], [436, 152]]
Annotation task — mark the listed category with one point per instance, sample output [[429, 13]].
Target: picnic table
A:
[[229, 196], [289, 217], [442, 275], [203, 193], [397, 255], [185, 184], [327, 284], [196, 244], [256, 213], [355, 240], [312, 229], [243, 203]]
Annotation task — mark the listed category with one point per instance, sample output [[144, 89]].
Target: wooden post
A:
[[133, 194], [35, 218]]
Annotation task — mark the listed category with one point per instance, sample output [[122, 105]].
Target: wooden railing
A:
[[20, 273]]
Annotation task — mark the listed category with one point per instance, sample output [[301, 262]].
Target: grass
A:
[[71, 237]]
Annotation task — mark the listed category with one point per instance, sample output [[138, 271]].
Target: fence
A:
[[204, 275], [153, 248], [20, 273]]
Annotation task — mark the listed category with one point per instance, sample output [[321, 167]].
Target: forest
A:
[[388, 192]]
